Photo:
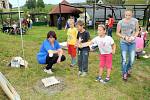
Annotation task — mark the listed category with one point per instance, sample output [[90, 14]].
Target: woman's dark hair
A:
[[110, 16], [51, 34]]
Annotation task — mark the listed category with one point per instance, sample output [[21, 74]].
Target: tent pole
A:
[[60, 16], [21, 29], [94, 22], [148, 17], [105, 15], [85, 17], [59, 9]]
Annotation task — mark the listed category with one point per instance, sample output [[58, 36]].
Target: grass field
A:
[[77, 88]]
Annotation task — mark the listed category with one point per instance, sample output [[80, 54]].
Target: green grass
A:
[[77, 88]]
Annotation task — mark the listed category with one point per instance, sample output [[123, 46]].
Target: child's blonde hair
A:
[[71, 20], [102, 25], [129, 9]]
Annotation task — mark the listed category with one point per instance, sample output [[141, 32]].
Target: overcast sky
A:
[[22, 2]]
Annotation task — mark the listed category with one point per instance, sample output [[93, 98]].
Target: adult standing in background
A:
[[59, 23], [127, 30], [110, 24]]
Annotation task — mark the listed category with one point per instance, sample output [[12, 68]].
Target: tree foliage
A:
[[40, 3], [31, 4], [92, 1], [115, 1], [107, 1]]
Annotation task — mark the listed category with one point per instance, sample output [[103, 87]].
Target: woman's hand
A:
[[59, 59], [129, 39]]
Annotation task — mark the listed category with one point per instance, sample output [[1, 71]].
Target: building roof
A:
[[66, 8]]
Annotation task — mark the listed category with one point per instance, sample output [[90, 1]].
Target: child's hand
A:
[[78, 45], [131, 38], [126, 38], [113, 52], [67, 44]]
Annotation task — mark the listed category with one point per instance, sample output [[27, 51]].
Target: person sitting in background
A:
[[5, 25], [14, 27], [25, 23], [90, 23], [50, 52]]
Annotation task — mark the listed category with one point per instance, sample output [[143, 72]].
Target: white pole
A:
[[94, 18], [22, 45]]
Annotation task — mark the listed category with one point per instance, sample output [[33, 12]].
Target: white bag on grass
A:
[[17, 62]]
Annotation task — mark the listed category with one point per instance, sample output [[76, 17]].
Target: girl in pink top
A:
[[144, 35], [139, 41]]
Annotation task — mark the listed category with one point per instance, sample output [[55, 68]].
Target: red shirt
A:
[[110, 22]]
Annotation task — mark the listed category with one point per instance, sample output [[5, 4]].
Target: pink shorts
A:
[[105, 60]]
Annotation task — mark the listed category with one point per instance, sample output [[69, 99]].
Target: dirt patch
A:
[[40, 88]]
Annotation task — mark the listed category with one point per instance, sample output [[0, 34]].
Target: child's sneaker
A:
[[99, 79], [107, 79], [125, 77], [129, 73], [48, 71], [84, 74], [79, 73], [72, 65]]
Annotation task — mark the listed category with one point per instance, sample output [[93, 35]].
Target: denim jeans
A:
[[127, 49], [83, 60], [109, 31]]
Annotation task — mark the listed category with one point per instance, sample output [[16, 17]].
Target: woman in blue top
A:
[[50, 52]]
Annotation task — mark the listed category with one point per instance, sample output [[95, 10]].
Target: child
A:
[[106, 47], [83, 52], [139, 45], [144, 34], [110, 24], [71, 41]]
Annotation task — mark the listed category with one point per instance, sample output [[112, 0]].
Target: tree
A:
[[31, 4], [40, 3], [115, 1], [92, 1], [108, 1]]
